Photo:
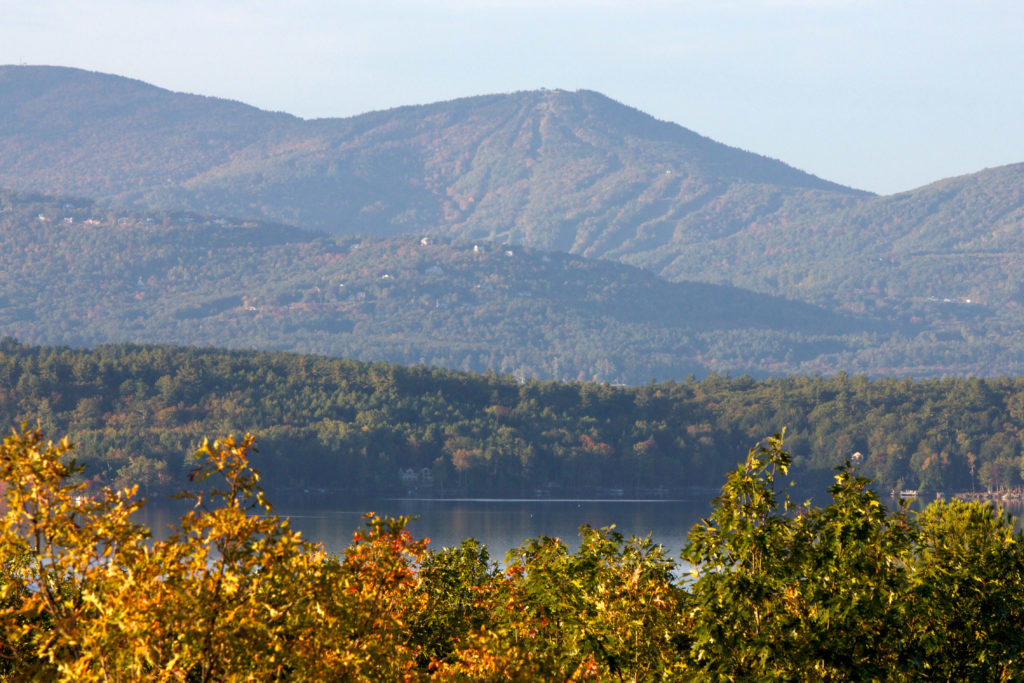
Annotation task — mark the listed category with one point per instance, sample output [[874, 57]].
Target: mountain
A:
[[572, 171], [568, 171], [74, 272], [82, 133], [959, 239]]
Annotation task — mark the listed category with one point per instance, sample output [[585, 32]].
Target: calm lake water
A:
[[500, 524]]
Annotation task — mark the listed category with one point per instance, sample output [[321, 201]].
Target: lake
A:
[[500, 524]]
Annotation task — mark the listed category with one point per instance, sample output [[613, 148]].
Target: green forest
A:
[[765, 589], [135, 413]]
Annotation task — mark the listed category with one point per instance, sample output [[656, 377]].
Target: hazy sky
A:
[[882, 95]]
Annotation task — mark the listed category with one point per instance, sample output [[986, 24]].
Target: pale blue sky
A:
[[884, 96]]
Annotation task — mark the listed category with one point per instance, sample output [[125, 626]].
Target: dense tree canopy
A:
[[134, 413]]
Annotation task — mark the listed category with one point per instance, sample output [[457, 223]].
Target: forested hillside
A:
[[136, 412], [73, 272], [538, 294], [958, 239]]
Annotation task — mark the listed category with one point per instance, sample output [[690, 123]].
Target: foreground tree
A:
[[609, 611], [851, 591], [967, 594], [75, 569], [778, 591], [233, 594]]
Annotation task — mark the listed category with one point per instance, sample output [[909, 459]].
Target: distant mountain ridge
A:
[[82, 133], [570, 171]]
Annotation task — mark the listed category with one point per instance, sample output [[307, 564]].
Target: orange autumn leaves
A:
[[235, 594]]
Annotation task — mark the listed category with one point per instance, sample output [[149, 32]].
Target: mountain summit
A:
[[574, 171]]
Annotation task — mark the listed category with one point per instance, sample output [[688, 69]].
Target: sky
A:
[[880, 95]]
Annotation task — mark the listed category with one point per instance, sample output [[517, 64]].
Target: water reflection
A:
[[501, 524]]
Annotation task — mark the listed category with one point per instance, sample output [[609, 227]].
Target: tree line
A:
[[135, 412]]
